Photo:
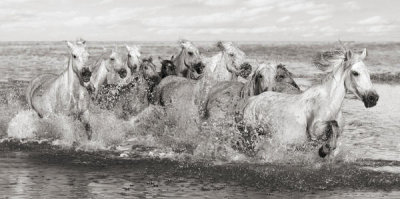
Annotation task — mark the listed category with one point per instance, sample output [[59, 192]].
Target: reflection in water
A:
[[24, 176], [36, 175]]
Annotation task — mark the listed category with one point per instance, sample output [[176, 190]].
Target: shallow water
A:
[[178, 164], [40, 175]]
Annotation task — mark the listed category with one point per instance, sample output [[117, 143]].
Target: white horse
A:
[[228, 64], [109, 69], [314, 115], [226, 96], [65, 93]]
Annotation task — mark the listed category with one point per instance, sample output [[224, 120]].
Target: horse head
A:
[[352, 68], [133, 57], [167, 67], [235, 59], [358, 80], [191, 58], [269, 77], [78, 58], [118, 70], [148, 70]]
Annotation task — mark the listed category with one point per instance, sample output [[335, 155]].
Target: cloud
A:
[[319, 18], [218, 18], [283, 19], [217, 3], [381, 28], [79, 21], [372, 21], [260, 2], [351, 5]]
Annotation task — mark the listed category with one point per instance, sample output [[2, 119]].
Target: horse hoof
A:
[[321, 152]]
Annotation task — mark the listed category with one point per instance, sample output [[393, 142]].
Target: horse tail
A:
[[33, 85]]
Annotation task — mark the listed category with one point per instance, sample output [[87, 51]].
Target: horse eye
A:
[[129, 55], [112, 58], [355, 73], [231, 54], [74, 56], [190, 53], [281, 77]]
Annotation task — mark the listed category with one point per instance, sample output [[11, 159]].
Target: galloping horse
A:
[[109, 69], [188, 62], [65, 93], [314, 115], [225, 97], [229, 63], [137, 95]]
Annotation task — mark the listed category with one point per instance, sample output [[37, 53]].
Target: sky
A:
[[200, 20]]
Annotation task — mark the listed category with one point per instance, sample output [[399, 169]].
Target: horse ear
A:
[[220, 45], [80, 41], [363, 54], [257, 84], [70, 45], [348, 55], [172, 57], [182, 42], [150, 59]]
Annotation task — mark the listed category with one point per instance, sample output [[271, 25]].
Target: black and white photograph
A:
[[200, 99]]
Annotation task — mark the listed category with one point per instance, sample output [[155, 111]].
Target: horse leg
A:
[[331, 134], [84, 118]]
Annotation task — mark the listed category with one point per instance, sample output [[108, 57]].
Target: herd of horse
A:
[[262, 98]]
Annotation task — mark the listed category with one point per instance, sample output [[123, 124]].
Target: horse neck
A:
[[179, 61], [330, 94], [100, 76], [248, 89], [72, 78]]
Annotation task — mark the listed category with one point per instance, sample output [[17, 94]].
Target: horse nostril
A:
[[122, 73], [373, 98], [86, 74]]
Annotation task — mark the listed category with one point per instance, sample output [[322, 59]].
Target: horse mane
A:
[[325, 60], [147, 59], [96, 64], [281, 66], [253, 86]]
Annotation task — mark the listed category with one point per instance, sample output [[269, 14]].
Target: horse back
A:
[[38, 85], [165, 86], [222, 97]]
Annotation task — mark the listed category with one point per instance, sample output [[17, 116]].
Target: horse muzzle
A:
[[199, 67], [86, 74], [155, 79], [245, 70], [122, 73], [90, 88], [370, 99]]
